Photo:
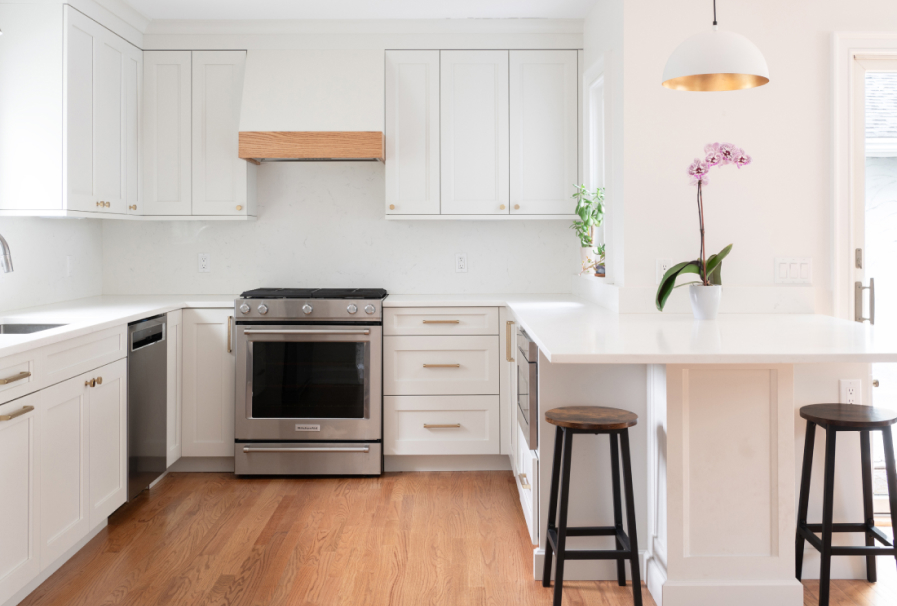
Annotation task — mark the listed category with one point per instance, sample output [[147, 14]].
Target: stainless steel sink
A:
[[25, 329]]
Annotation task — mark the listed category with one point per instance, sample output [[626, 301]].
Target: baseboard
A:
[[585, 570], [733, 593], [56, 565], [203, 464], [446, 463], [655, 577]]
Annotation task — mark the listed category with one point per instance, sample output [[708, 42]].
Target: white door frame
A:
[[846, 178]]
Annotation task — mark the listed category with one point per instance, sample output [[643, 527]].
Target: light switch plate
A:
[[851, 391], [793, 270]]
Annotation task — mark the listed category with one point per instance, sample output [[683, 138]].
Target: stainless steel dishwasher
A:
[[147, 402]]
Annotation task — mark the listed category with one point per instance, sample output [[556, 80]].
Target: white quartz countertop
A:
[[84, 316], [574, 331]]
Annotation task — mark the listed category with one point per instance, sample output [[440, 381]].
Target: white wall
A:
[[39, 250], [322, 225], [779, 206]]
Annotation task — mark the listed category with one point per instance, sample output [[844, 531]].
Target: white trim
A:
[[412, 463], [845, 46]]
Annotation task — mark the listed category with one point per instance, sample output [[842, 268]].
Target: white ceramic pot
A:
[[705, 301], [586, 253]]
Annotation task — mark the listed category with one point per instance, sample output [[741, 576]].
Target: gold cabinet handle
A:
[[93, 382], [392, 207], [108, 204], [516, 207], [99, 380], [239, 207], [442, 366], [442, 426], [523, 483], [22, 375], [502, 207], [132, 207], [22, 411], [508, 326], [442, 321], [99, 204], [230, 321]]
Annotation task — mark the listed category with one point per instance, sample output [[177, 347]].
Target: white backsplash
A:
[[39, 250], [322, 225]]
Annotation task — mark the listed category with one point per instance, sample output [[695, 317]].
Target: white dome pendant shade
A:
[[715, 61]]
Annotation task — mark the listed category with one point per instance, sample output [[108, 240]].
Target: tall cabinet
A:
[[471, 133], [191, 133]]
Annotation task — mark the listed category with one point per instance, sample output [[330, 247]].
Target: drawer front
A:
[[441, 425], [440, 321], [70, 358], [417, 366], [18, 375], [528, 485]]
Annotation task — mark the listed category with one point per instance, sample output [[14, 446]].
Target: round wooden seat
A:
[[849, 416], [591, 418]]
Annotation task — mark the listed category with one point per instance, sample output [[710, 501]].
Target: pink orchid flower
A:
[[698, 171], [741, 159]]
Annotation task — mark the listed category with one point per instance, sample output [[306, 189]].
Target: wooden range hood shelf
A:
[[256, 146]]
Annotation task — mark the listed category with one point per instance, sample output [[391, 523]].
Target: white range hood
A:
[[304, 105]]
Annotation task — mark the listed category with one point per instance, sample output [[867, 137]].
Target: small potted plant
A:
[[707, 292], [590, 209], [596, 264]]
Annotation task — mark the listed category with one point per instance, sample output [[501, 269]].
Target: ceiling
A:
[[363, 9]]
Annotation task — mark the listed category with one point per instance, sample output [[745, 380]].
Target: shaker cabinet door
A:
[[474, 132], [107, 403]]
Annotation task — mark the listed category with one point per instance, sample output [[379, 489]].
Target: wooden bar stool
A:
[[834, 418], [591, 419]]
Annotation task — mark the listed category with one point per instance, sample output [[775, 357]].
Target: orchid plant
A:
[[708, 269]]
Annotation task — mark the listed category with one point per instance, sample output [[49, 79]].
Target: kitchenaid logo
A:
[[307, 427]]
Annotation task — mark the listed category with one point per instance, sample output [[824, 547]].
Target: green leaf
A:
[[714, 266], [668, 283]]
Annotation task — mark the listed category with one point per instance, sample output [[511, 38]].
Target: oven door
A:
[[308, 382]]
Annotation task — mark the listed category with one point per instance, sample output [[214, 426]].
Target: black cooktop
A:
[[315, 293]]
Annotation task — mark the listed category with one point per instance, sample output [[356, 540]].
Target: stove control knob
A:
[[263, 309], [352, 309], [244, 308], [307, 309], [369, 309]]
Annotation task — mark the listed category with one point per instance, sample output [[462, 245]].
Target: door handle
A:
[[508, 326], [22, 411], [255, 331], [14, 378], [310, 449], [858, 289], [230, 330]]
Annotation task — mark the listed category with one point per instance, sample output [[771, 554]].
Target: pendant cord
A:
[[714, 12]]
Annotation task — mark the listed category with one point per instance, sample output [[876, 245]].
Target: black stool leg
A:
[[868, 513], [562, 522], [804, 501], [618, 505], [892, 474], [630, 520], [827, 505], [553, 503]]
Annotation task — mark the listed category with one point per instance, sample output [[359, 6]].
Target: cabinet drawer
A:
[[440, 425], [528, 485], [70, 358], [440, 321], [18, 375], [415, 366]]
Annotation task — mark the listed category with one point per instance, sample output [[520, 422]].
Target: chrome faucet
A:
[[5, 256]]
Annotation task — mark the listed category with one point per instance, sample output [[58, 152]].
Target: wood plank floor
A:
[[406, 538]]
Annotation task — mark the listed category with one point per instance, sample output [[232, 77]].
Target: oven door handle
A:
[[310, 449], [310, 331]]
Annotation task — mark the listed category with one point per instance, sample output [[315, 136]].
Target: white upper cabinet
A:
[[543, 115], [101, 117], [166, 133], [412, 132], [220, 177], [474, 132]]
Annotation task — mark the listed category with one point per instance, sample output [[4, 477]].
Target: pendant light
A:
[[715, 61]]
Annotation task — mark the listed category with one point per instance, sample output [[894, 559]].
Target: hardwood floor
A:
[[406, 538]]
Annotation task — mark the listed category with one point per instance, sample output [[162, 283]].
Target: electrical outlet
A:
[[205, 263], [793, 270], [461, 263], [851, 391], [662, 267]]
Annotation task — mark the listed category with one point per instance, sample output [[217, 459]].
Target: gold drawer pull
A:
[[523, 483], [437, 426], [14, 378], [442, 366], [442, 321], [22, 411], [508, 340]]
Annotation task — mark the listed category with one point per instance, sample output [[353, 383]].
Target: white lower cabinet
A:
[[437, 365], [108, 457], [528, 485], [19, 479], [175, 378], [441, 425], [208, 396]]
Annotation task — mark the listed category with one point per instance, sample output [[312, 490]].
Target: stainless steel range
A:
[[309, 382]]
